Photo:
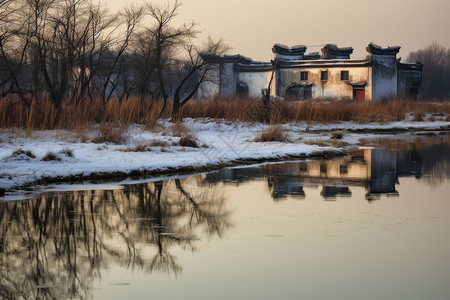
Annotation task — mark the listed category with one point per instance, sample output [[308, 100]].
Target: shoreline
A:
[[143, 174], [226, 145]]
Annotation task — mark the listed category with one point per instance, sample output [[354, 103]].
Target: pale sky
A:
[[252, 27]]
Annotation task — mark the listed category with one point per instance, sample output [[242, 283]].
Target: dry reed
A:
[[43, 114], [273, 134]]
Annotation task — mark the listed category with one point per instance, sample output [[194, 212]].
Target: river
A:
[[371, 225]]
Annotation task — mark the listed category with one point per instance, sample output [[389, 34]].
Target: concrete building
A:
[[294, 75]]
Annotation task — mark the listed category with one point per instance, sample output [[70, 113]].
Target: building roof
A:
[[376, 49], [331, 51], [292, 51], [320, 63], [295, 57], [409, 66]]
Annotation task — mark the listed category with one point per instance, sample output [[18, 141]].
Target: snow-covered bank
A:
[[145, 151]]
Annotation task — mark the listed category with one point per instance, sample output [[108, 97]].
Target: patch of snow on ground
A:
[[220, 141]]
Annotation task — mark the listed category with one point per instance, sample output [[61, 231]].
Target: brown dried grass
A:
[[274, 133], [322, 111], [43, 114]]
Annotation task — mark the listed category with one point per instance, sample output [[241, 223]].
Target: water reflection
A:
[[56, 245], [376, 169], [53, 247]]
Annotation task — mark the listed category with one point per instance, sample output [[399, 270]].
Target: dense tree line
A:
[[73, 49], [436, 70]]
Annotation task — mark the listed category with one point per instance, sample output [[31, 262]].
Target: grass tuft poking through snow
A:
[[110, 133], [188, 141], [50, 156], [22, 154], [273, 134], [67, 152]]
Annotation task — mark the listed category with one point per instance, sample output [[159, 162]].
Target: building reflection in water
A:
[[56, 245], [376, 170]]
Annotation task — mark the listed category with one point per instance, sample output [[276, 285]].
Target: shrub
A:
[[418, 117], [273, 134], [158, 143], [188, 141], [50, 156], [179, 130], [337, 135], [23, 152], [109, 133], [66, 152]]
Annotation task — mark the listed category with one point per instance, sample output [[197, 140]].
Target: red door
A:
[[359, 94]]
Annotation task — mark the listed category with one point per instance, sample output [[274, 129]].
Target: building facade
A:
[[295, 75]]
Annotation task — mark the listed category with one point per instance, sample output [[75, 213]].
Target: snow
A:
[[220, 142]]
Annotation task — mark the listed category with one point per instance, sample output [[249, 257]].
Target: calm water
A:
[[373, 225]]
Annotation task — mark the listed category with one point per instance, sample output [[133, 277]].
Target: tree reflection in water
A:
[[56, 245]]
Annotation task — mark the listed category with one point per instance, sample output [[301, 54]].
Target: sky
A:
[[252, 27]]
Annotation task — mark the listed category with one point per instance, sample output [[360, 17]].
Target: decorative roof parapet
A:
[[253, 67], [214, 59], [312, 56], [331, 51], [293, 53], [410, 66], [378, 50], [321, 63], [239, 63]]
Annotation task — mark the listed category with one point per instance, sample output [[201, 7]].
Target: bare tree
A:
[[195, 71], [436, 70], [130, 17], [266, 95], [15, 35], [167, 40]]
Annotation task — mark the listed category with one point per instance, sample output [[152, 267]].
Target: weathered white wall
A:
[[210, 88], [384, 74], [334, 87], [228, 80], [256, 81]]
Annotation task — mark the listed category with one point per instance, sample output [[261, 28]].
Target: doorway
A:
[[359, 94]]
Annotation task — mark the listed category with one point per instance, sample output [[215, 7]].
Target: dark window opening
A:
[[297, 92], [293, 92], [304, 75], [324, 75], [323, 168], [303, 167], [307, 93], [242, 89], [344, 75], [343, 169]]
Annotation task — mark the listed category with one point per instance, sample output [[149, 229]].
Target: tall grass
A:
[[43, 114], [323, 111]]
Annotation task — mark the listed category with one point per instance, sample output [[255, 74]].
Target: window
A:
[[303, 167], [304, 75], [344, 75], [324, 75], [343, 169], [323, 168], [293, 92], [307, 93]]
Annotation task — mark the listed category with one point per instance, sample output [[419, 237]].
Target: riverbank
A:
[[196, 145]]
